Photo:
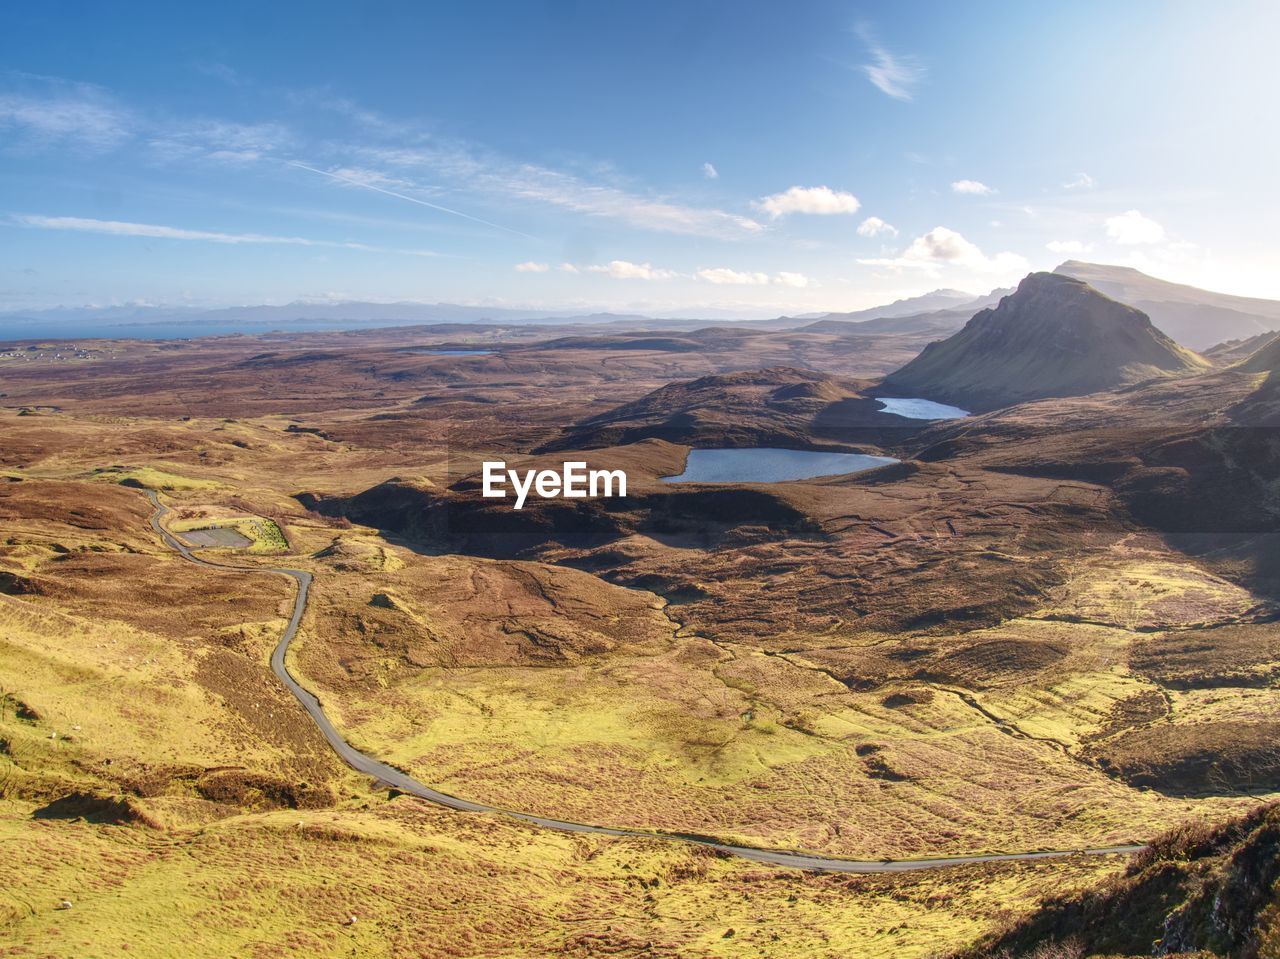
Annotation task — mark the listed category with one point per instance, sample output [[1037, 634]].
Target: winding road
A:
[[407, 784]]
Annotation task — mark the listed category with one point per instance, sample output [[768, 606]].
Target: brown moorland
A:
[[1026, 635]]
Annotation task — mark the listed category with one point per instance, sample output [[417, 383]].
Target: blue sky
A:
[[678, 157]]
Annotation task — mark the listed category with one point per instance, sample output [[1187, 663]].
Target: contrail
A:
[[411, 199]]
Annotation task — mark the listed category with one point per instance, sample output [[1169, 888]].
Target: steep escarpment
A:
[[1054, 336]]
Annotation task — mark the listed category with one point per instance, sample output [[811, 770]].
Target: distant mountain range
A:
[[1054, 336], [910, 306], [942, 321], [174, 322], [1194, 317]]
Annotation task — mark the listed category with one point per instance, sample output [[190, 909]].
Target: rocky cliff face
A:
[[1054, 336]]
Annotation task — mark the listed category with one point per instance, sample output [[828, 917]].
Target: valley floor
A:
[[962, 655]]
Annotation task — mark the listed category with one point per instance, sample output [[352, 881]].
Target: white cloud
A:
[[155, 231], [943, 247], [874, 226], [971, 187], [531, 267], [817, 200], [796, 280], [1132, 228], [625, 270], [941, 243], [1067, 246], [724, 275], [1081, 181], [569, 268], [710, 172], [891, 74]]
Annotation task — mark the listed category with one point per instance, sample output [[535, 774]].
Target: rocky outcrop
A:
[[1054, 336]]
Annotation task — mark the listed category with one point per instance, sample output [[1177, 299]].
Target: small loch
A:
[[766, 465], [452, 352], [918, 409]]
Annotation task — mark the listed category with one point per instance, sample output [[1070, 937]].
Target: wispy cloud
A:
[[893, 74], [1081, 181], [815, 200], [480, 171], [51, 112], [368, 183], [219, 141], [58, 112], [971, 188], [531, 267], [397, 158], [710, 172], [157, 231]]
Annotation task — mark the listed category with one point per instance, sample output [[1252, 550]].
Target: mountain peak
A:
[[1054, 335]]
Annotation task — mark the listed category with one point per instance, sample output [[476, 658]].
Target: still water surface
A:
[[770, 465], [917, 409]]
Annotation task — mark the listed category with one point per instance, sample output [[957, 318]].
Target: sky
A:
[[687, 157]]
